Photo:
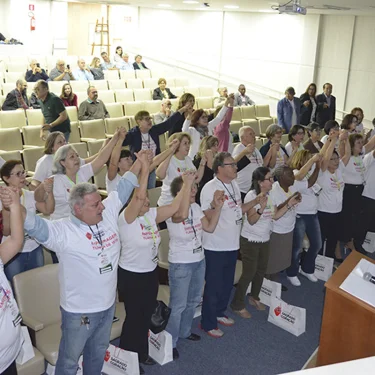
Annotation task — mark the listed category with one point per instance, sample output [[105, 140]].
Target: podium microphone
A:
[[368, 277]]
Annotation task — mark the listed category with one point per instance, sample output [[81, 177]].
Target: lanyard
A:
[[97, 236], [73, 183], [192, 223], [233, 197], [180, 166], [148, 142], [151, 229], [358, 161], [255, 156]]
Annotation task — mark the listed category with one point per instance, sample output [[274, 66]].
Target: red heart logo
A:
[[107, 356], [226, 197], [277, 311], [89, 236], [178, 170]]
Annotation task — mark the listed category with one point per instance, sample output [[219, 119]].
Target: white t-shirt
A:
[[2, 161], [226, 236], [61, 190], [369, 190], [139, 242], [176, 168], [148, 143], [10, 327], [27, 200], [112, 185], [354, 172], [330, 198], [278, 196], [324, 140], [245, 176], [360, 129], [185, 239], [44, 166], [289, 148], [87, 273], [309, 203], [261, 230]]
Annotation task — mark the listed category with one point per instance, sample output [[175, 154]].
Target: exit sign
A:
[[31, 7]]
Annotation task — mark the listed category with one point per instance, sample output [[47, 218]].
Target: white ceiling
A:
[[355, 7]]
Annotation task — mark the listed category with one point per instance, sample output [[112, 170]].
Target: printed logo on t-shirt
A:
[[182, 170], [359, 167], [335, 184], [147, 232], [89, 236], [106, 241], [188, 226], [4, 298]]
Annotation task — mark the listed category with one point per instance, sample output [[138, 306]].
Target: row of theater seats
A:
[[8, 83]]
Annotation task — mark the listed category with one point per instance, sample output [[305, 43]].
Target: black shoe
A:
[[284, 288], [176, 354], [141, 371], [149, 362], [193, 337]]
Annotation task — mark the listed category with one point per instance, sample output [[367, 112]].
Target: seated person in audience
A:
[[55, 115], [68, 97], [331, 128], [92, 108], [17, 98], [31, 256], [313, 144], [240, 98], [223, 92], [162, 92], [10, 329], [83, 73], [295, 137], [36, 73], [124, 64], [96, 68], [118, 54], [107, 64], [146, 137], [138, 64], [165, 112], [88, 276], [60, 72]]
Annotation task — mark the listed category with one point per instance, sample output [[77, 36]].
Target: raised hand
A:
[[317, 158], [188, 177], [230, 100], [48, 184], [219, 199], [10, 197], [186, 108], [142, 156], [250, 148], [122, 133], [174, 145], [209, 155], [306, 103], [344, 135]]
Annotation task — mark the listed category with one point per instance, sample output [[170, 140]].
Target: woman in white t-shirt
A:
[[138, 276], [295, 137], [255, 239], [10, 318], [331, 181], [306, 168], [31, 256], [187, 264], [44, 165], [175, 165], [198, 127], [354, 174]]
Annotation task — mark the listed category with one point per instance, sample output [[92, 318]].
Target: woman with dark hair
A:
[[332, 130], [255, 239], [295, 137], [313, 144], [308, 105], [349, 123], [118, 55], [354, 174], [68, 97], [198, 126]]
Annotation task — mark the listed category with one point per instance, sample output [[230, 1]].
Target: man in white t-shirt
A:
[[247, 149], [88, 247], [221, 246]]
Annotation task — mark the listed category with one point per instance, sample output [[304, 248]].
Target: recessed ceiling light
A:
[[231, 6], [164, 5], [190, 2]]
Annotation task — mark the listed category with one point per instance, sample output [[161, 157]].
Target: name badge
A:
[[197, 250], [317, 189], [105, 264], [12, 305], [238, 214], [155, 259]]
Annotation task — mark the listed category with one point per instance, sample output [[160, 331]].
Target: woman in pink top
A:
[[68, 97], [222, 131]]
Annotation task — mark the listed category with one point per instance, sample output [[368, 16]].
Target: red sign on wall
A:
[[31, 7]]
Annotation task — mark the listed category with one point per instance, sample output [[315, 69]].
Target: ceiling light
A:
[[164, 5], [231, 6], [190, 2]]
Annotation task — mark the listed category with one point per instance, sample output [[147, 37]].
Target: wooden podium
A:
[[348, 325]]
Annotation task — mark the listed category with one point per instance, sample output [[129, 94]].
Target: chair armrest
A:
[[108, 135], [30, 173], [103, 192], [88, 139], [32, 323], [30, 146]]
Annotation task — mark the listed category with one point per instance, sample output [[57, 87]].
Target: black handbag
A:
[[160, 317]]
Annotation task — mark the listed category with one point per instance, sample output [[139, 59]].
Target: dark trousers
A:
[[11, 370], [139, 292], [243, 195], [254, 265], [366, 222], [329, 229], [220, 268]]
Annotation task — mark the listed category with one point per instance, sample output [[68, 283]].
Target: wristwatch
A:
[[259, 213]]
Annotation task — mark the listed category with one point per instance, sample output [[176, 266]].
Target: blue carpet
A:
[[253, 346]]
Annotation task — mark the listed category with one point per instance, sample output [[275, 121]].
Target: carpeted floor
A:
[[253, 346]]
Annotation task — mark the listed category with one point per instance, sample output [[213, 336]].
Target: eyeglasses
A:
[[300, 133], [269, 179], [233, 165], [94, 92], [19, 174]]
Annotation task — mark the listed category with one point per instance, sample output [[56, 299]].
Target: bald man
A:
[[83, 73], [36, 72], [61, 73], [17, 98]]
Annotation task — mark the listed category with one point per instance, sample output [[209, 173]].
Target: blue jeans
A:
[[151, 180], [308, 224], [186, 286], [92, 340], [24, 262], [220, 268]]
